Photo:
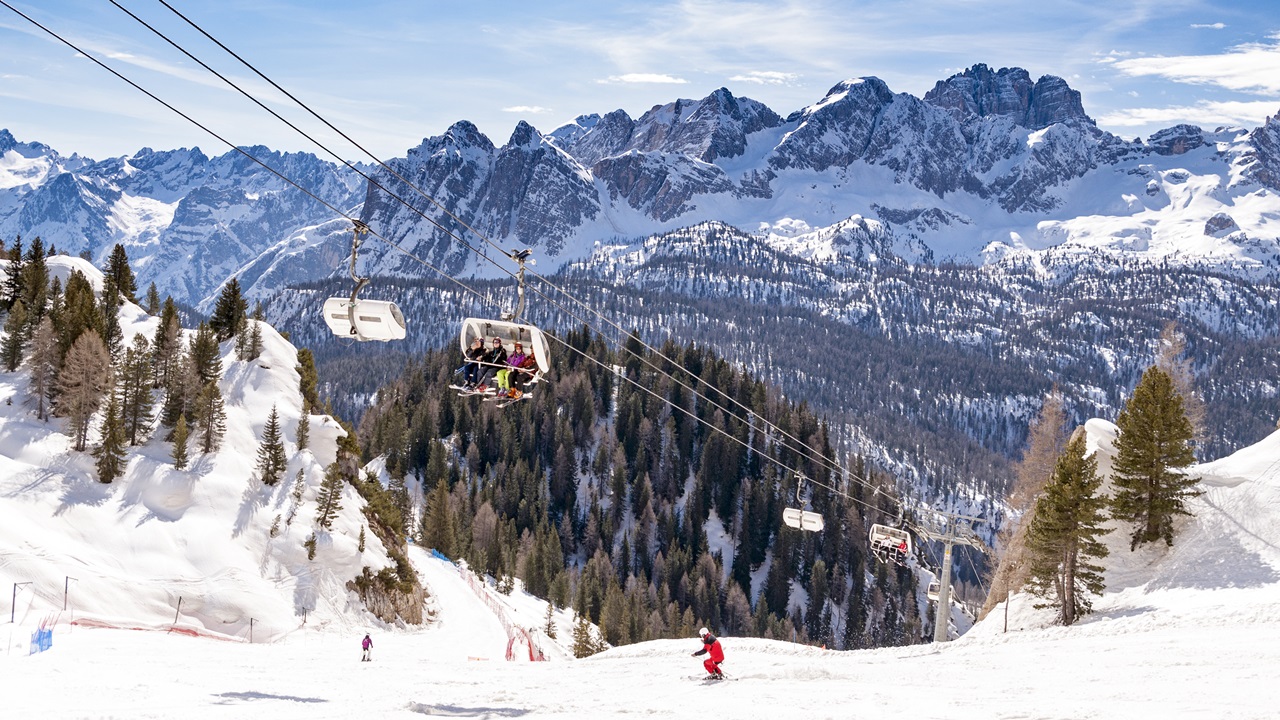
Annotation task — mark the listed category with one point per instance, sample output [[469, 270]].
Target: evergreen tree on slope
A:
[[1063, 535], [271, 459], [111, 453], [121, 274], [1153, 450]]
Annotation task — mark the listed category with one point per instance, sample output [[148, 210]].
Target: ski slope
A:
[[1187, 632]]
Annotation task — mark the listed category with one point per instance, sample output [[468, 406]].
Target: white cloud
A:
[[1204, 114], [527, 109], [1253, 67], [766, 77], [1209, 26], [643, 78]]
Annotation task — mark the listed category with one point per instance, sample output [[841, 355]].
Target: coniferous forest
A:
[[647, 507]]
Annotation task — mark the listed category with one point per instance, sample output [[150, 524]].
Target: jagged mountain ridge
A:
[[986, 162]]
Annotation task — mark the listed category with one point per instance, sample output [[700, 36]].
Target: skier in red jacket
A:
[[711, 645]]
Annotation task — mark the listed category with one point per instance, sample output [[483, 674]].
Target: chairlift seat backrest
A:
[[889, 537], [530, 337], [802, 519], [368, 320]]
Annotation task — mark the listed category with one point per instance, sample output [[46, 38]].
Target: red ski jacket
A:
[[712, 645]]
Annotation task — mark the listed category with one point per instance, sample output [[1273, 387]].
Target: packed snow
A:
[[181, 602]]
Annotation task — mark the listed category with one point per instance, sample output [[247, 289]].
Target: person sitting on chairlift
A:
[[494, 359], [473, 369], [505, 375]]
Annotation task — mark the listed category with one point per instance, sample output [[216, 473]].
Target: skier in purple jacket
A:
[[367, 644]]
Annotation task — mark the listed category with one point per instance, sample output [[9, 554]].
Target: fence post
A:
[[13, 606], [66, 588]]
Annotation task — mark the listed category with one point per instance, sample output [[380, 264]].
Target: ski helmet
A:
[[703, 632]]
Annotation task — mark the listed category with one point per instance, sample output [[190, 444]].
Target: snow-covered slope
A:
[[130, 551], [1187, 632]]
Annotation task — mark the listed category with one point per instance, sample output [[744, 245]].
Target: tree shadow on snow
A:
[[455, 711], [265, 696]]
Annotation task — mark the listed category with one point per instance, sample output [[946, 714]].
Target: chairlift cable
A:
[[813, 455], [835, 490]]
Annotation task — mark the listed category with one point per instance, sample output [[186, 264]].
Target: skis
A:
[[711, 679], [490, 395], [504, 400]]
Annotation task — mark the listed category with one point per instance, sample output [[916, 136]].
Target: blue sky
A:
[[391, 72]]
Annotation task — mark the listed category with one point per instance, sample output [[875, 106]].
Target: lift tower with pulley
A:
[[949, 529]]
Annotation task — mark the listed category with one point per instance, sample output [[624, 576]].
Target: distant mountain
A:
[[988, 162], [189, 222]]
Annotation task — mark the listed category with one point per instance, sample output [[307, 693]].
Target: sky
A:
[[391, 72]]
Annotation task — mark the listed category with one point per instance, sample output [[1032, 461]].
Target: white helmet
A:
[[703, 632]]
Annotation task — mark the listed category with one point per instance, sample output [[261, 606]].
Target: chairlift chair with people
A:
[[510, 334], [890, 544]]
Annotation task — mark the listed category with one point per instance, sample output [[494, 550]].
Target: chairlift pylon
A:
[[362, 319]]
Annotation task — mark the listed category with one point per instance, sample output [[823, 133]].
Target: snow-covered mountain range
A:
[[988, 164]]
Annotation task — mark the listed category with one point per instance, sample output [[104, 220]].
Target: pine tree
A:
[[15, 327], [437, 524], [13, 275], [43, 364], [271, 458], [1152, 452], [211, 417], [35, 282], [179, 392], [167, 344], [153, 300], [84, 379], [229, 312], [304, 431], [109, 313], [79, 313], [584, 642], [205, 357], [121, 274], [307, 380], [1063, 535], [255, 339], [1046, 441], [111, 453], [135, 389], [329, 500], [549, 623], [180, 444]]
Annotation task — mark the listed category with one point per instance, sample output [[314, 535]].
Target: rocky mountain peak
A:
[[525, 135], [7, 142], [981, 92], [713, 127], [1264, 160], [1177, 140], [846, 95]]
